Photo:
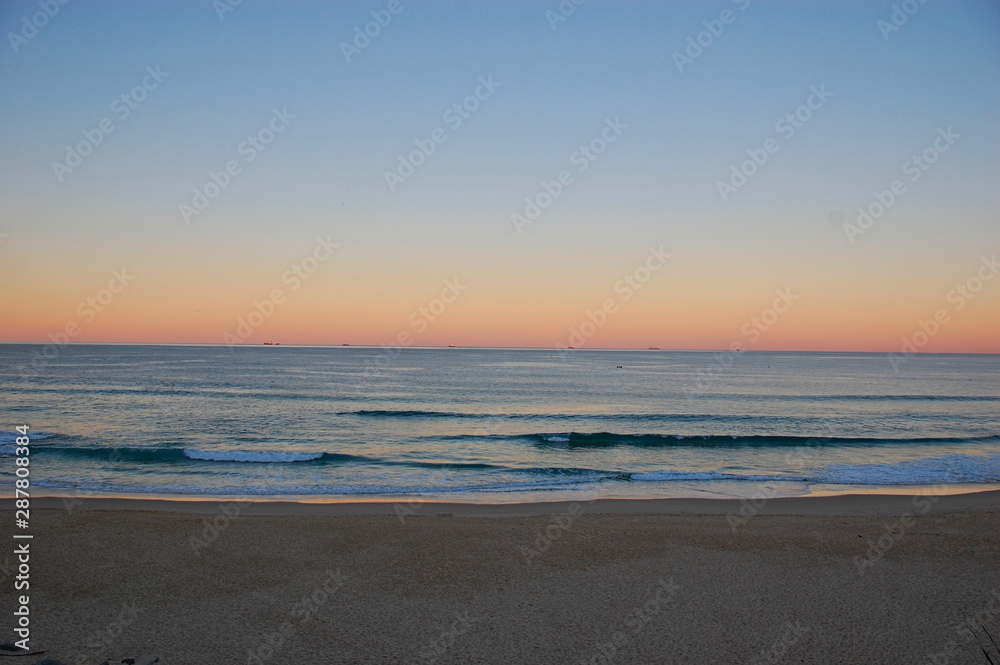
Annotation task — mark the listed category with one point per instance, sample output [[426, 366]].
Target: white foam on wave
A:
[[243, 456], [557, 439], [954, 468], [951, 469], [662, 476]]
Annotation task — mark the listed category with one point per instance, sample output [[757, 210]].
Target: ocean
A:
[[384, 423]]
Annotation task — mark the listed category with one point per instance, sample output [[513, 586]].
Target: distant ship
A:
[[271, 343], [654, 348], [451, 346]]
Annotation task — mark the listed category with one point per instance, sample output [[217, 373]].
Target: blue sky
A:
[[607, 60]]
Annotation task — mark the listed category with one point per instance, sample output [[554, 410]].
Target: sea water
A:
[[494, 424]]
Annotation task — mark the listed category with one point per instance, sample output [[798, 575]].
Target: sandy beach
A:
[[846, 579]]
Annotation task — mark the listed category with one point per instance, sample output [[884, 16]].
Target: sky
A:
[[684, 175]]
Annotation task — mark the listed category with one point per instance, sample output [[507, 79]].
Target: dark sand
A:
[[662, 581]]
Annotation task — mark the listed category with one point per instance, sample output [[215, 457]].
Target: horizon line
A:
[[491, 348]]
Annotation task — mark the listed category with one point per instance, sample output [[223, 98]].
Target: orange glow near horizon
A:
[[682, 306]]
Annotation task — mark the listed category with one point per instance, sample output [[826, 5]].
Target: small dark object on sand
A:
[[11, 649]]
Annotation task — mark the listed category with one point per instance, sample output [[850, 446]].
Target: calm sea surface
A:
[[489, 425]]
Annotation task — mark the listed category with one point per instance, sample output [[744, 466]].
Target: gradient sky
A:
[[656, 185]]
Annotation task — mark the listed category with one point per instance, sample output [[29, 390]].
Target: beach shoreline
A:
[[882, 502]]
